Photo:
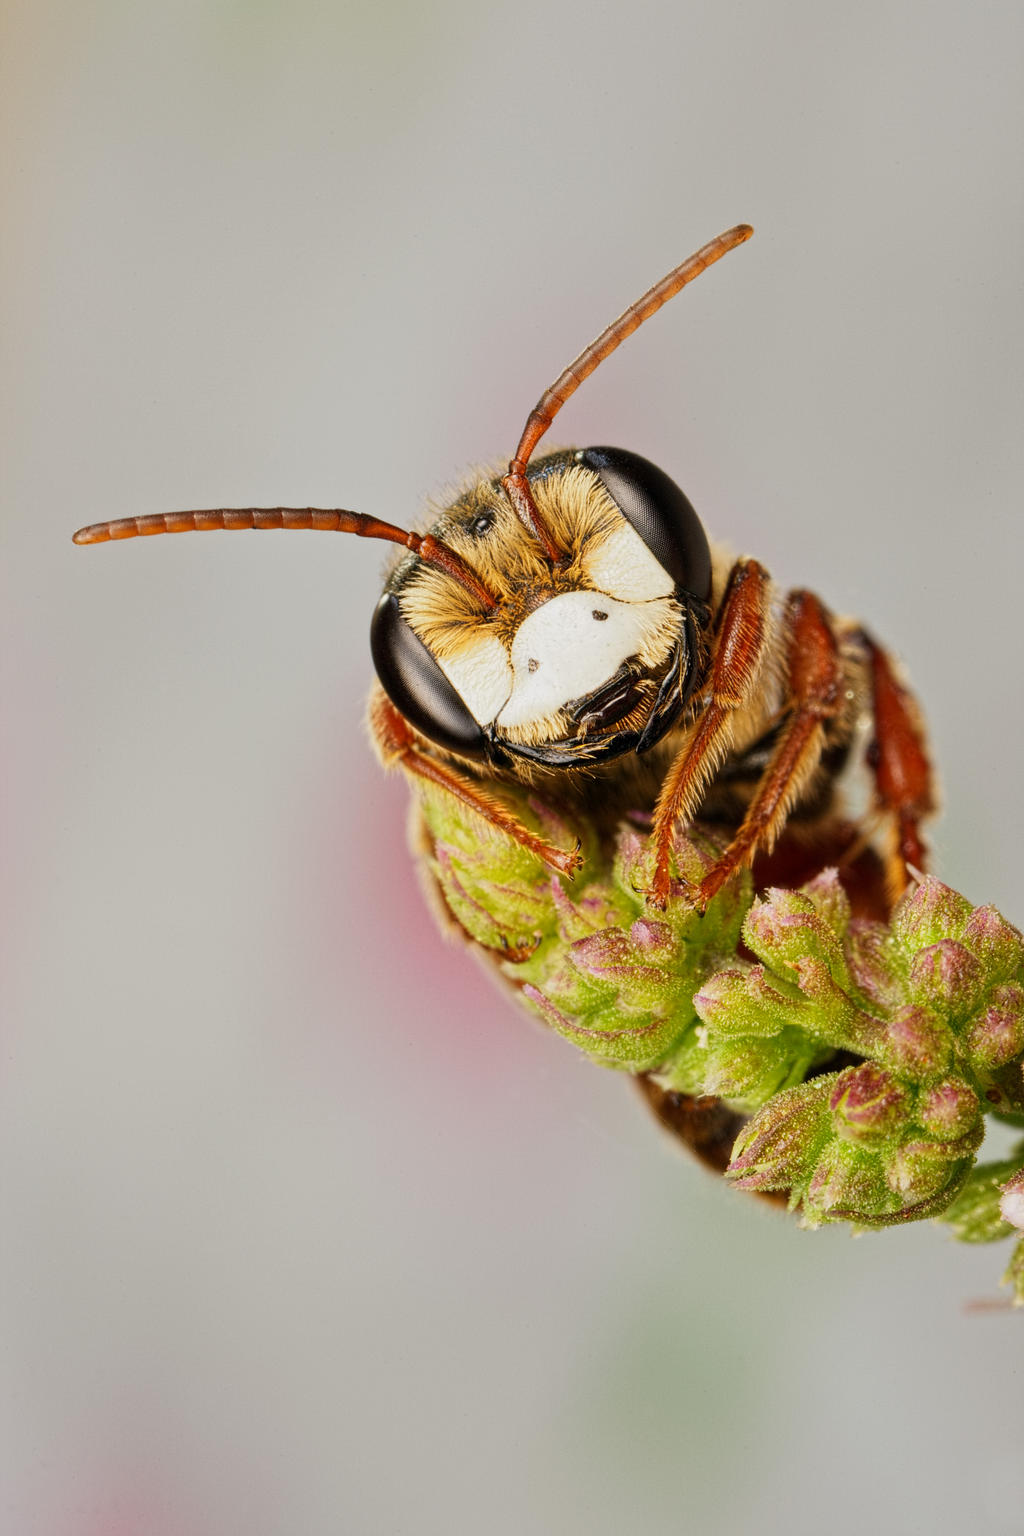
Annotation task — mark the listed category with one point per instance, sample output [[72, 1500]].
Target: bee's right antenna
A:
[[551, 401]]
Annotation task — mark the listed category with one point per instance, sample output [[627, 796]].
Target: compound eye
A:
[[657, 510], [415, 684]]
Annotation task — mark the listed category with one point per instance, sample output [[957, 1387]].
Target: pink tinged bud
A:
[[653, 939], [948, 1109], [867, 1103], [513, 927], [847, 1184], [609, 956], [919, 1170], [948, 976], [615, 972], [742, 1003], [778, 1146], [830, 900], [747, 1071], [1011, 1200], [928, 914], [833, 1015], [578, 915], [785, 928], [917, 1043], [870, 954], [634, 1041], [996, 1036], [997, 944]]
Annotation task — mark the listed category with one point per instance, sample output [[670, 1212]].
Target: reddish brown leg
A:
[[813, 674], [739, 651], [899, 762], [398, 743]]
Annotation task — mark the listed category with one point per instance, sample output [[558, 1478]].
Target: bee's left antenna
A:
[[515, 483], [430, 550]]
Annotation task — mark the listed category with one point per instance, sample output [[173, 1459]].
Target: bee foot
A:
[[567, 862]]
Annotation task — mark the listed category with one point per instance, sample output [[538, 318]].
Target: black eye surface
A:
[[481, 524], [415, 684], [659, 512]]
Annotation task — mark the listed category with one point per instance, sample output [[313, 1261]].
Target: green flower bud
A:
[[742, 1003], [778, 1147], [996, 943], [917, 1043], [996, 1035], [611, 956], [867, 1103], [870, 955], [585, 907], [921, 1170], [928, 914], [830, 901], [847, 1185], [949, 1109], [785, 928], [748, 1070], [932, 1008], [948, 977], [619, 1037]]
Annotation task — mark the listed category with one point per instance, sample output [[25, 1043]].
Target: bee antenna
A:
[[432, 551], [568, 382]]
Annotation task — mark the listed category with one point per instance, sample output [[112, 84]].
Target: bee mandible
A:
[[570, 621]]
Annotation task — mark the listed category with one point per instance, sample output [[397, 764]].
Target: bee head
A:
[[578, 659], [584, 642]]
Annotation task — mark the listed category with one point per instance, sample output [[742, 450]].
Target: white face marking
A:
[[624, 567], [563, 651], [481, 675]]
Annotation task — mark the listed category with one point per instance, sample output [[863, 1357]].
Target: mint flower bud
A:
[[749, 1070], [847, 1184], [870, 954], [917, 1043], [921, 1170], [949, 1109], [996, 1035], [867, 1103], [997, 944], [778, 1147], [830, 901], [612, 956], [786, 928], [742, 1003], [947, 976], [929, 914]]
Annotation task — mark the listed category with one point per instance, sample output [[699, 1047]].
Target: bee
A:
[[568, 622]]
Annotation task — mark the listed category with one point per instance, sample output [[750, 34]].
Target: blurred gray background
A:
[[305, 1230]]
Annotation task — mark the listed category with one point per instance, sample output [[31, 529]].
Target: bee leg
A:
[[399, 745], [814, 676], [739, 649], [899, 762]]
